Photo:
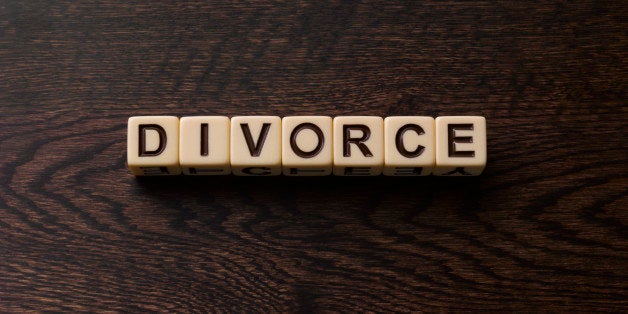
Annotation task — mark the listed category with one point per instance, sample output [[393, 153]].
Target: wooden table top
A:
[[544, 228]]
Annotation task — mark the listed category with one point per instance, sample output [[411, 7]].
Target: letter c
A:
[[399, 141]]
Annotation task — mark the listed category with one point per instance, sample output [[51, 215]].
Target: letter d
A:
[[143, 152]]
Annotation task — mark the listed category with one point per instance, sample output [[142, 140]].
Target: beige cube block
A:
[[256, 145], [204, 145], [358, 145], [460, 145], [307, 146], [153, 145], [409, 148]]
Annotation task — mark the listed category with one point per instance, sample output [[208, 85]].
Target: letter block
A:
[[307, 146], [460, 145], [153, 145], [256, 145], [204, 145], [358, 145], [409, 146]]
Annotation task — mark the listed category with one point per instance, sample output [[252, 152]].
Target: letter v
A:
[[255, 149]]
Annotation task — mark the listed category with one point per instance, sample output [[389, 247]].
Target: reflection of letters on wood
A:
[[307, 145]]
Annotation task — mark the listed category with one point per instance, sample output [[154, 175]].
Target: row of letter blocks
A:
[[307, 145]]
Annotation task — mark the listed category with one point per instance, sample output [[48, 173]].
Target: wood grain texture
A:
[[543, 229]]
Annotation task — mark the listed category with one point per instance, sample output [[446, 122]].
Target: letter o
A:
[[295, 146]]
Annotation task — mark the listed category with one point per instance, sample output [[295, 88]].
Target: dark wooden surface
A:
[[543, 229]]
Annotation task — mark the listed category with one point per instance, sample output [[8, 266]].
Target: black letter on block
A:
[[255, 149], [204, 139], [298, 170], [399, 141], [152, 171], [204, 170], [459, 170], [453, 139], [366, 133], [357, 171], [263, 171], [162, 140], [295, 146], [407, 171]]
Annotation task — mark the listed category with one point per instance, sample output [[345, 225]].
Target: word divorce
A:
[[307, 145]]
